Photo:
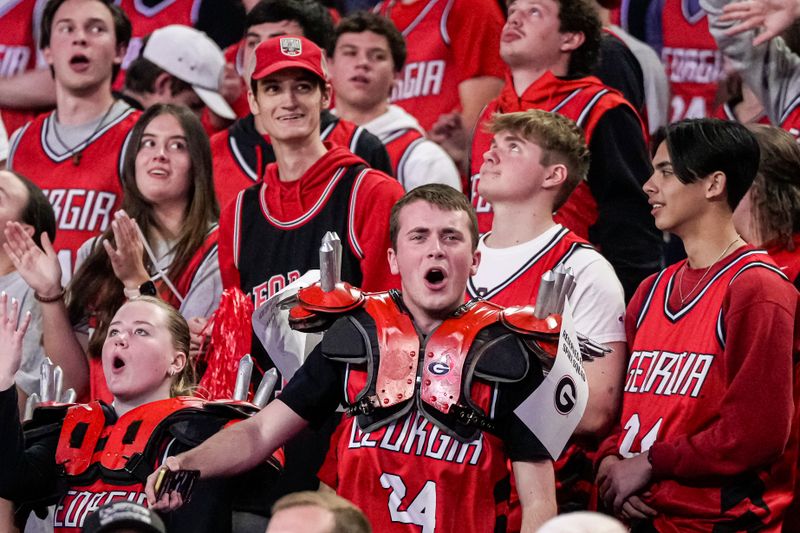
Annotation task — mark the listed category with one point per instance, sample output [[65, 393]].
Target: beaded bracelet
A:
[[49, 299]]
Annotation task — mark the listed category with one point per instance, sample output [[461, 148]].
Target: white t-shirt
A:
[[598, 301]]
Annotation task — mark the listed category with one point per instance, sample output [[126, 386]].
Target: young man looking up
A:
[[367, 56], [708, 437], [406, 463], [535, 161], [549, 47], [241, 152], [74, 154]]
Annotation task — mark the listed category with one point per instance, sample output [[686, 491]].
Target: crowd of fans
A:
[[169, 166]]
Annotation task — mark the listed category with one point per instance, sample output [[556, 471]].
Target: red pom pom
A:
[[231, 336]]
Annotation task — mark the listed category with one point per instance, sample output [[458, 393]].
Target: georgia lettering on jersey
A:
[[416, 435], [421, 78], [76, 505]]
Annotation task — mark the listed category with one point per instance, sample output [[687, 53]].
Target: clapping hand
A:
[[39, 268], [771, 16], [126, 258]]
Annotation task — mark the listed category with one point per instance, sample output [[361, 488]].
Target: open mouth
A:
[[360, 80], [79, 60], [117, 363], [435, 278]]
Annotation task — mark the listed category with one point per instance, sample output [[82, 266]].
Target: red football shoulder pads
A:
[[85, 425], [447, 350], [315, 305], [520, 319]]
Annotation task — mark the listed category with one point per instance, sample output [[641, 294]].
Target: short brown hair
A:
[[347, 518], [442, 196], [560, 139], [775, 193]]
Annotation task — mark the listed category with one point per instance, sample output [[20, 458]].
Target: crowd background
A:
[[196, 151]]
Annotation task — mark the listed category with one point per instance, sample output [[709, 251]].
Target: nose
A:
[[79, 35], [649, 185], [490, 155], [121, 339], [160, 153], [513, 19], [436, 250]]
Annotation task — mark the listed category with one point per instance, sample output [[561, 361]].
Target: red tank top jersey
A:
[[233, 173], [411, 477], [522, 286], [17, 52], [145, 20], [438, 60], [84, 195], [584, 101], [691, 58], [399, 144], [726, 112], [787, 260], [675, 382], [790, 118]]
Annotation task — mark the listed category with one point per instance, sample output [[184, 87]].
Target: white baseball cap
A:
[[189, 55]]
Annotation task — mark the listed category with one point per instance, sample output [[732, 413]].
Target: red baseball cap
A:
[[280, 53]]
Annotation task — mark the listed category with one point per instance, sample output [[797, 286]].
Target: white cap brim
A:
[[215, 102]]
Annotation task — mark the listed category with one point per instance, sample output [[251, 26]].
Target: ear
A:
[[476, 261], [556, 176], [326, 95], [251, 99], [179, 361], [572, 41], [717, 186], [122, 49], [161, 85], [48, 55], [391, 255]]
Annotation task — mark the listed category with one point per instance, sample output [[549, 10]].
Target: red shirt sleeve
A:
[[474, 28], [227, 268], [756, 415], [374, 200]]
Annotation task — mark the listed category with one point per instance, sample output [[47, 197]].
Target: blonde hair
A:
[[560, 139], [183, 383]]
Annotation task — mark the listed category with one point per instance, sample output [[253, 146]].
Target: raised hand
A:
[[11, 337], [39, 268], [452, 135], [126, 258], [771, 16]]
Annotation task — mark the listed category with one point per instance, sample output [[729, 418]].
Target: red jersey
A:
[[448, 41], [787, 260], [399, 144], [691, 58], [681, 387], [18, 49], [583, 100], [83, 185], [726, 112], [523, 286], [790, 119]]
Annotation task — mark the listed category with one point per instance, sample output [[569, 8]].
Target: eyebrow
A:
[[663, 164], [145, 322]]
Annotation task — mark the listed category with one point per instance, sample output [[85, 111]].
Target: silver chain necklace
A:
[[686, 266]]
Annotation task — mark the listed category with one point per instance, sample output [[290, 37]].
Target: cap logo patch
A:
[[291, 46]]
